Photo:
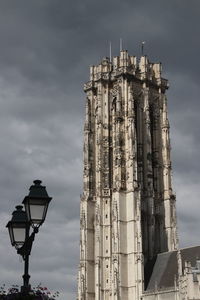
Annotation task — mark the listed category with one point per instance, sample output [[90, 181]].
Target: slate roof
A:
[[166, 267]]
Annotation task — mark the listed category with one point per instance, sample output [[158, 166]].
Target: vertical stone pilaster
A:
[[148, 176], [169, 197]]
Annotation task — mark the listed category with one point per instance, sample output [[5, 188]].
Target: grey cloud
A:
[[46, 49]]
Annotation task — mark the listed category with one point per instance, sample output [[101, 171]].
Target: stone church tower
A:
[[127, 211]]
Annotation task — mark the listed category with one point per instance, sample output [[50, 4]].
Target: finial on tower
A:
[[142, 47], [110, 46], [120, 42]]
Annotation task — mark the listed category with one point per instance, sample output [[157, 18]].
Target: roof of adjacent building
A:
[[166, 267]]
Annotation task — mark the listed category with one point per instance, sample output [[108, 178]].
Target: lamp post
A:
[[36, 205]]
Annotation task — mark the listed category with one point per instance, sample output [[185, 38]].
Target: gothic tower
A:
[[127, 211]]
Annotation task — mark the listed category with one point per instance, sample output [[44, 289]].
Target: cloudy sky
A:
[[46, 47]]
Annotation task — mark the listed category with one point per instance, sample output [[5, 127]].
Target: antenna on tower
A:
[[110, 46], [120, 42], [142, 47]]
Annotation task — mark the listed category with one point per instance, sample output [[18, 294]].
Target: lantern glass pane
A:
[[36, 213], [27, 211], [19, 235], [11, 235]]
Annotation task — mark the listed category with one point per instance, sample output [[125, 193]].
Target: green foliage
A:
[[37, 293]]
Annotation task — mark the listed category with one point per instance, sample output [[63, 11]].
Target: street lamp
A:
[[17, 227], [36, 205]]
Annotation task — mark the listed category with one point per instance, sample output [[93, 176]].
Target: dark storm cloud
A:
[[46, 49]]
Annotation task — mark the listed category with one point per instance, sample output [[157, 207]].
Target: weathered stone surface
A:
[[128, 213]]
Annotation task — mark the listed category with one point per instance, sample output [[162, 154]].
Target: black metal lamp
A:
[[17, 227], [36, 205]]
